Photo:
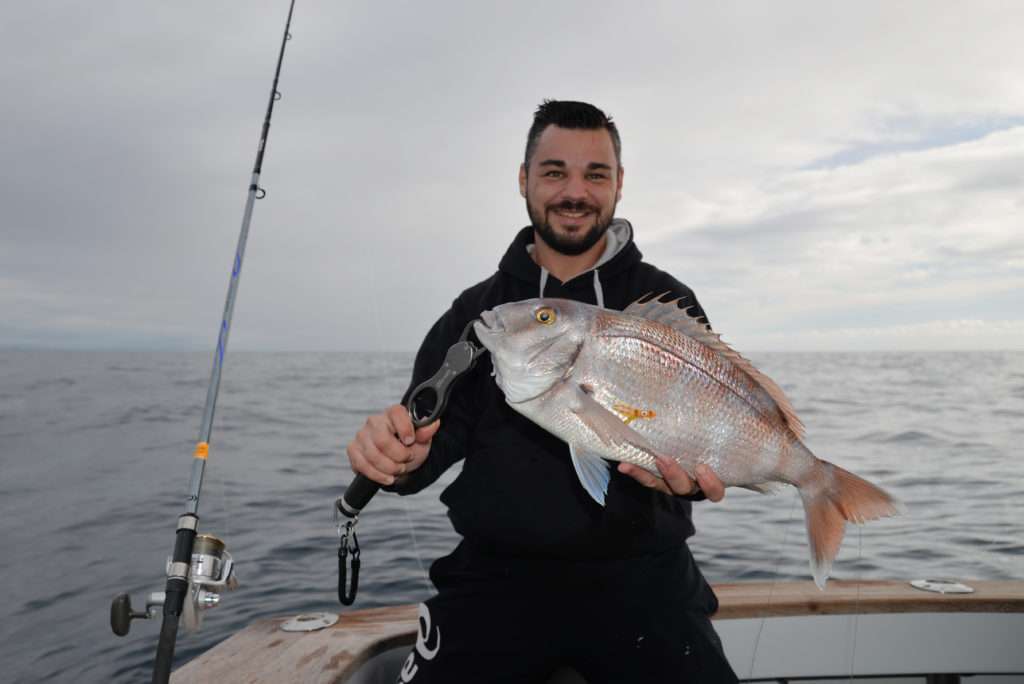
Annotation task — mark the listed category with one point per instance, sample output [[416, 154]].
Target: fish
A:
[[653, 382]]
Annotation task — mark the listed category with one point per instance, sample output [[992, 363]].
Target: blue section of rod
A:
[[213, 389]]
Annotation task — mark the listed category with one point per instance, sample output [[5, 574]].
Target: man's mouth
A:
[[572, 213]]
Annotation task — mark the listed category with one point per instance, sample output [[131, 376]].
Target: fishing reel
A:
[[210, 573]]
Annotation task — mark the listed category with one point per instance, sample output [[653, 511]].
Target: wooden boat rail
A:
[[264, 653]]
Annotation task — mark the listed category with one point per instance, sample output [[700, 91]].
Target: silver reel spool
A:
[[211, 573]]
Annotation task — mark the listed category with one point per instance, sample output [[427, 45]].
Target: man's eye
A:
[[597, 176], [553, 174]]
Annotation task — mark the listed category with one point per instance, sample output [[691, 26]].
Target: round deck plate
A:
[[942, 586], [309, 622]]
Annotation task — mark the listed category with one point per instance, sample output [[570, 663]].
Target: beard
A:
[[570, 245]]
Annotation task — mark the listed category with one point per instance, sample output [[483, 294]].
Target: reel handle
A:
[[121, 614]]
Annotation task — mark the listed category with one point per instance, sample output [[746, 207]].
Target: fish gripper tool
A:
[[460, 359]]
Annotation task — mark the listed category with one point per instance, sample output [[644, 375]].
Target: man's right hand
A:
[[387, 446]]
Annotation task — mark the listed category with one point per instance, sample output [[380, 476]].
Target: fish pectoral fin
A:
[[594, 473], [764, 487], [607, 426]]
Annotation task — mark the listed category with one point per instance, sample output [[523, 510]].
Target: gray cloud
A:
[[801, 145]]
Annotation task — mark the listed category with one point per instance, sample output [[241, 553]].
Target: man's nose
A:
[[575, 188]]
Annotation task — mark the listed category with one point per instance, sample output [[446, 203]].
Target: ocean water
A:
[[95, 457]]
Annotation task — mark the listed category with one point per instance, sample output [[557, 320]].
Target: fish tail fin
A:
[[831, 497]]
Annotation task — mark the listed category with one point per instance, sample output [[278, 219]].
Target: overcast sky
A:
[[823, 175]]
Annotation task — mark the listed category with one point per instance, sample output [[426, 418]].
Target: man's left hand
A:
[[675, 481]]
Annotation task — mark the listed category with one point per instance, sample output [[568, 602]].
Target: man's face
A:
[[571, 187]]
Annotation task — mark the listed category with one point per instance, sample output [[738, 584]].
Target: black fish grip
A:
[[460, 359]]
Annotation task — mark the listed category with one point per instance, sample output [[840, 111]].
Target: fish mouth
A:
[[488, 329], [491, 320]]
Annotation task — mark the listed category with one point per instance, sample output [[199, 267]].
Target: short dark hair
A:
[[570, 114]]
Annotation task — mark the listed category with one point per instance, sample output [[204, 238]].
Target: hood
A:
[[620, 252]]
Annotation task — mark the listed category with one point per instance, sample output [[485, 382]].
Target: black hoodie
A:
[[518, 494]]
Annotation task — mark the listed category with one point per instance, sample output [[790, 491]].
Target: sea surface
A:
[[95, 459]]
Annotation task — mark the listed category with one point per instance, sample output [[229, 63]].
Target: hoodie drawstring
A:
[[543, 280]]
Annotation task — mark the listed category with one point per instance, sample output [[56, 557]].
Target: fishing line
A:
[[410, 524], [225, 506], [415, 544], [771, 589], [409, 521]]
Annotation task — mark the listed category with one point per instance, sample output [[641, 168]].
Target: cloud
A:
[[902, 239], [948, 335], [802, 166], [909, 135]]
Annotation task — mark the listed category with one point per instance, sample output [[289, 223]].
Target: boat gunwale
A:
[[262, 652]]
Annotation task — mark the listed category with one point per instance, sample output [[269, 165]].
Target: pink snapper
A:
[[652, 381]]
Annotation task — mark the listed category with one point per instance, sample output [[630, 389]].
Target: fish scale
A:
[[691, 352], [651, 382], [704, 413]]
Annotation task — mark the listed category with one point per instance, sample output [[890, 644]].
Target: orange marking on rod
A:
[[202, 450]]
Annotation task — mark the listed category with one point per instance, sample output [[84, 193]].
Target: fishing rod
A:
[[200, 567]]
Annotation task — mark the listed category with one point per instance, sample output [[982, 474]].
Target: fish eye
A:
[[545, 315]]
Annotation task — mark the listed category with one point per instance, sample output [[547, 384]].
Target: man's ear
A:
[[522, 179], [618, 190]]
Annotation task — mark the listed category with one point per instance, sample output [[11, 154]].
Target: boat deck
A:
[[771, 630]]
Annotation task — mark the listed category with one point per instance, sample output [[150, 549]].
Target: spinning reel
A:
[[210, 573]]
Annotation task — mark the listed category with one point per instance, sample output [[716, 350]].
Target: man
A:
[[545, 577]]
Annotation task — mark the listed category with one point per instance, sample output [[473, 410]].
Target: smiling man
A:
[[546, 578], [571, 196]]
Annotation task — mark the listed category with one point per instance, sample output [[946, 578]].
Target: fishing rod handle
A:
[[358, 494], [362, 488]]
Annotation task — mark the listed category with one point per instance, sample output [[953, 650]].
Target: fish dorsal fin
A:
[[671, 314]]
